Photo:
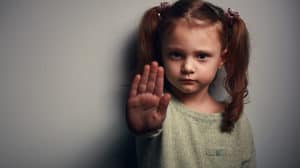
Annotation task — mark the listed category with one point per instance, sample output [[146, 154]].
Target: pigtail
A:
[[236, 67], [147, 37]]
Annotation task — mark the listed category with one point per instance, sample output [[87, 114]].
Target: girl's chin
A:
[[187, 90]]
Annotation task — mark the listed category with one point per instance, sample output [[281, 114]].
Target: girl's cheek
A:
[[173, 70]]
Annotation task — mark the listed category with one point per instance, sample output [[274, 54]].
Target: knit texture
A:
[[191, 139]]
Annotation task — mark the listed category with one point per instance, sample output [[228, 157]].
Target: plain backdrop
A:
[[64, 74]]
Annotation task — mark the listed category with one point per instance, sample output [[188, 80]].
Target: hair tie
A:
[[231, 16], [162, 7]]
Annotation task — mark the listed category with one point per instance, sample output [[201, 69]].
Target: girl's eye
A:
[[175, 55], [202, 56]]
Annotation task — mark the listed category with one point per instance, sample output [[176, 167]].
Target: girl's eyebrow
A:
[[175, 49], [201, 51]]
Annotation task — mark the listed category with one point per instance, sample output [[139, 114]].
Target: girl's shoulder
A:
[[246, 137], [245, 131], [244, 121]]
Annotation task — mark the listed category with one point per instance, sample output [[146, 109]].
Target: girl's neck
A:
[[200, 102]]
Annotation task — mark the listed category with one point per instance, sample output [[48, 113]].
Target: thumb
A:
[[163, 104]]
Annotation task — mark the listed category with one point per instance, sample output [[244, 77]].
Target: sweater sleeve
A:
[[151, 134], [251, 163]]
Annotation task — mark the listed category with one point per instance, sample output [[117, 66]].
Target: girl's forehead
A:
[[183, 29], [193, 25]]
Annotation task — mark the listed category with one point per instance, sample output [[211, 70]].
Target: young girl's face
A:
[[191, 56]]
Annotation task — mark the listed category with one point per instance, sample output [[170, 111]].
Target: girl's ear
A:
[[223, 56]]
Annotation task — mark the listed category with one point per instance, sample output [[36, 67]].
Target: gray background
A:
[[64, 70]]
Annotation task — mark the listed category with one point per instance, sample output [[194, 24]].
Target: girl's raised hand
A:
[[147, 105]]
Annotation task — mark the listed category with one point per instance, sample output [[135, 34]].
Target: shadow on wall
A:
[[127, 146], [121, 153]]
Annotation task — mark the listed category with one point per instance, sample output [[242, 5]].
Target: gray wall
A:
[[64, 68]]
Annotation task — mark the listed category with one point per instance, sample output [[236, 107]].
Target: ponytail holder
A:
[[231, 16], [162, 7]]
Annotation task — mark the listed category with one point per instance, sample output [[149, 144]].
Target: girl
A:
[[185, 44]]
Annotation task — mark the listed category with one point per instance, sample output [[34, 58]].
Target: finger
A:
[[163, 104], [152, 77], [143, 84], [159, 85], [134, 85]]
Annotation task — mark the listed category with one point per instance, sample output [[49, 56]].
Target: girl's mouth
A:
[[187, 81]]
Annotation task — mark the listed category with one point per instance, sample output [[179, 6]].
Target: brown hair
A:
[[234, 37]]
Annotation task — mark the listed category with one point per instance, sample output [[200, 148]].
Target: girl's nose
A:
[[187, 66]]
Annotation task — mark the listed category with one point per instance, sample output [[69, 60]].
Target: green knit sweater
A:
[[190, 139]]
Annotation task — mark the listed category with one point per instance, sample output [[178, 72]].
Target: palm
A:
[[147, 105]]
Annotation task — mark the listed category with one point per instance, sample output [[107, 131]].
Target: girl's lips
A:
[[187, 80]]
